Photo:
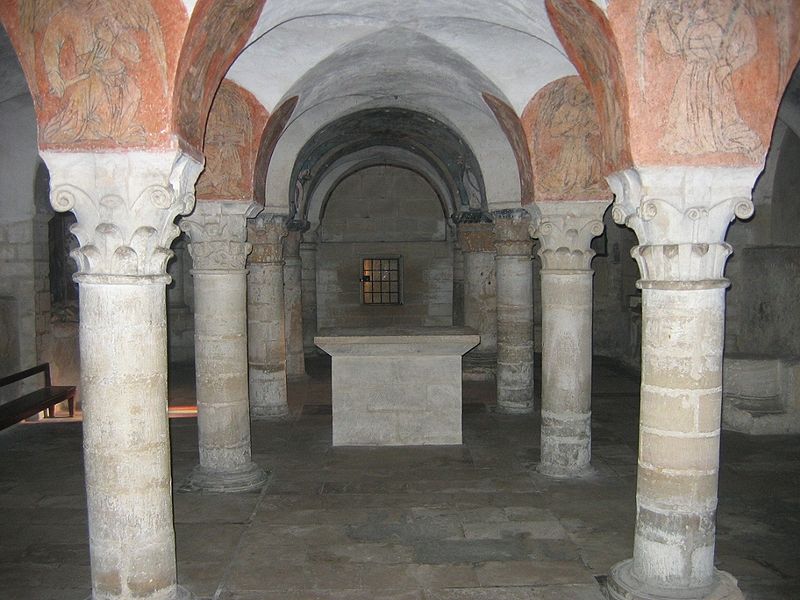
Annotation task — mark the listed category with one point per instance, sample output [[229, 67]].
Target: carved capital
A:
[[126, 204], [217, 231], [476, 237], [565, 231], [682, 266], [511, 236], [266, 233], [682, 205], [681, 216]]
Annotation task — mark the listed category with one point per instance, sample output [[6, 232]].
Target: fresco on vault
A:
[[713, 40], [88, 54], [705, 76], [213, 42], [230, 146], [565, 143]]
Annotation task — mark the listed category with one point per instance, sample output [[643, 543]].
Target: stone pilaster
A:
[[514, 311], [458, 273], [265, 318], [680, 215], [217, 232], [565, 231], [308, 259], [293, 299], [480, 296], [125, 204]]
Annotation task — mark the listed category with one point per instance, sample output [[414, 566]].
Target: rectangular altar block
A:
[[397, 386]]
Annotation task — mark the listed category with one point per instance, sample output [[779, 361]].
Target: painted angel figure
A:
[[88, 47], [226, 145], [714, 39], [570, 122]]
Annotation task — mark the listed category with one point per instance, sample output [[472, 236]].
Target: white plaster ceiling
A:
[[511, 42], [432, 56]]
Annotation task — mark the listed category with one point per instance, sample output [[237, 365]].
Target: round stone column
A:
[[565, 230], [514, 311], [125, 205], [217, 231], [480, 296], [293, 300], [308, 258], [265, 318], [680, 215]]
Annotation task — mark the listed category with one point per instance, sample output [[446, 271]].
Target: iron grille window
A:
[[380, 281]]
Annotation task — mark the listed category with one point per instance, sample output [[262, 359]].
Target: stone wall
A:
[[21, 230], [769, 325], [764, 269], [180, 305], [617, 307], [384, 212]]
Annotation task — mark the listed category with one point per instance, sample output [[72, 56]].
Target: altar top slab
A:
[[397, 340]]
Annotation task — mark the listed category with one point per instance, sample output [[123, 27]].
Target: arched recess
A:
[[384, 213], [432, 142], [374, 156]]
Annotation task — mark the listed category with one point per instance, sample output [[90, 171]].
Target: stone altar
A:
[[396, 386]]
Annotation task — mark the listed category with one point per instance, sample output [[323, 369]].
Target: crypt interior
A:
[[420, 300]]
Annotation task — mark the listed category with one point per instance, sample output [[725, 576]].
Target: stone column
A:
[[265, 318], [514, 311], [680, 215], [217, 232], [125, 203], [565, 230], [480, 295], [293, 301], [308, 258]]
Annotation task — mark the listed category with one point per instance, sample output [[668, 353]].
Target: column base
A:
[[178, 593], [270, 413], [562, 472], [298, 377], [479, 367], [621, 584], [205, 480], [513, 409]]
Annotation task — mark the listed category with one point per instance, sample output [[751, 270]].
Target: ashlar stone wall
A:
[[384, 212]]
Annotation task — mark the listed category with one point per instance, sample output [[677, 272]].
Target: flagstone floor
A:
[[470, 522]]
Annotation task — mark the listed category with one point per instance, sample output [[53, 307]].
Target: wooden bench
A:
[[44, 398]]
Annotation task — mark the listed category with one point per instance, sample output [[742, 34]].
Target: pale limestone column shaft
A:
[[217, 232], [293, 301], [125, 205], [680, 215], [480, 285], [265, 318], [308, 258], [514, 311], [565, 231]]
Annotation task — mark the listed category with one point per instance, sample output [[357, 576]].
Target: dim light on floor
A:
[[178, 412]]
